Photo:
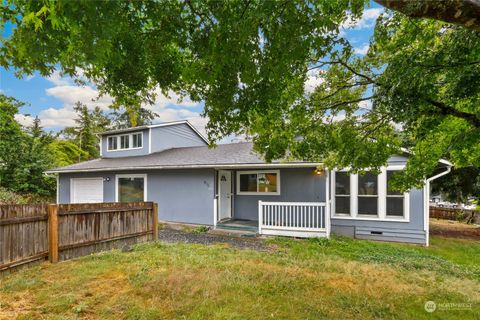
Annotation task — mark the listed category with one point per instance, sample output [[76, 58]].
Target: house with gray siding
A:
[[230, 186]]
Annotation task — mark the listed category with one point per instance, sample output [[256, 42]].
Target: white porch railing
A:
[[295, 219]]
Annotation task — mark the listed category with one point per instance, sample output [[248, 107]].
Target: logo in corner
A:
[[430, 306]]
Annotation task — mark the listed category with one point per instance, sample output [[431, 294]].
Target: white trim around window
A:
[[130, 141], [145, 184], [381, 198], [257, 172]]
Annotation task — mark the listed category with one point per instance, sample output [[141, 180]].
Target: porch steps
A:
[[236, 230], [236, 227]]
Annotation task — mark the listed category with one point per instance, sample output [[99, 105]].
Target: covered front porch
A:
[[282, 202]]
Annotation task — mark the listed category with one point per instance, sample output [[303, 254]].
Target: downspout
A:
[[426, 203]]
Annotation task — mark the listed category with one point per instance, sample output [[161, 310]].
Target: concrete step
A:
[[234, 232], [236, 227]]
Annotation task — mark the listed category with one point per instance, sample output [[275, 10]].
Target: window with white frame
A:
[[137, 140], [368, 196], [342, 193], [254, 182], [395, 199], [112, 143], [131, 188], [125, 141]]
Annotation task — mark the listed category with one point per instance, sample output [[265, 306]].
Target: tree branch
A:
[[344, 64], [447, 110], [461, 12]]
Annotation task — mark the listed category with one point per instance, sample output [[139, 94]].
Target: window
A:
[[112, 143], [395, 199], [342, 193], [253, 182], [367, 194], [137, 140], [125, 141], [131, 188]]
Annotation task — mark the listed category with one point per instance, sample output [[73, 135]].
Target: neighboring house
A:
[[231, 187]]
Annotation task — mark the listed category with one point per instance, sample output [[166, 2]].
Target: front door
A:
[[224, 194]]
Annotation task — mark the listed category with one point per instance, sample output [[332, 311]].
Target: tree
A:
[[35, 160], [65, 153], [459, 186], [24, 155], [12, 140], [248, 61], [122, 119], [84, 134], [462, 12]]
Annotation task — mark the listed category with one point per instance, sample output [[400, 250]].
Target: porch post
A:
[[260, 216], [215, 213], [327, 202]]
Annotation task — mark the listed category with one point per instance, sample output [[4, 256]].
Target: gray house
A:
[[231, 187]]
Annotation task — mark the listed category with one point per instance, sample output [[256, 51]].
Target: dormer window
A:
[[125, 141], [112, 143], [137, 140]]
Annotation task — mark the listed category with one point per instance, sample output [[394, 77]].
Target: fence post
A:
[[155, 221], [53, 233]]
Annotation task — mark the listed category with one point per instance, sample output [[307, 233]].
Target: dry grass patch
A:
[[303, 280]]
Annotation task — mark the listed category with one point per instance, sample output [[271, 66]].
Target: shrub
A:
[[200, 229], [9, 197]]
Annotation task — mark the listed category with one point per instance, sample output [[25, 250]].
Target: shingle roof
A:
[[224, 155]]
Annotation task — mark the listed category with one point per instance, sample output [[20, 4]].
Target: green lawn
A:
[[301, 279]]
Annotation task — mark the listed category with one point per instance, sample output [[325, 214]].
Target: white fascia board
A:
[[209, 166]]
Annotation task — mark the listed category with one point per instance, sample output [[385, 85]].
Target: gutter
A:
[[426, 202], [206, 166]]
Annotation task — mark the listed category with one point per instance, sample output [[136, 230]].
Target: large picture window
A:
[[368, 196], [131, 188], [253, 182]]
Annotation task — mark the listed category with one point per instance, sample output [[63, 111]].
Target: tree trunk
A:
[[462, 12]]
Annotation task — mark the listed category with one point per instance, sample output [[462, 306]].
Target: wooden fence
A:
[[31, 233], [471, 216]]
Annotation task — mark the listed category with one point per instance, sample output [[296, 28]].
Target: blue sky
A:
[[52, 98]]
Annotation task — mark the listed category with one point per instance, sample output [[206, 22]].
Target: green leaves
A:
[[248, 61]]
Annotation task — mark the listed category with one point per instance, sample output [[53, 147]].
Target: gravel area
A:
[[236, 242]]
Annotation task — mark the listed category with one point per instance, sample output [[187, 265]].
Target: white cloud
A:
[[174, 99], [24, 120], [54, 118], [362, 50], [365, 105], [313, 80], [367, 20], [70, 94], [29, 77], [170, 107], [59, 80]]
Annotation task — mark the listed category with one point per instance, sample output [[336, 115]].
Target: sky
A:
[[52, 98]]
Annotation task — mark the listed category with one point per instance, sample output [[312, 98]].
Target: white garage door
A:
[[86, 190]]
